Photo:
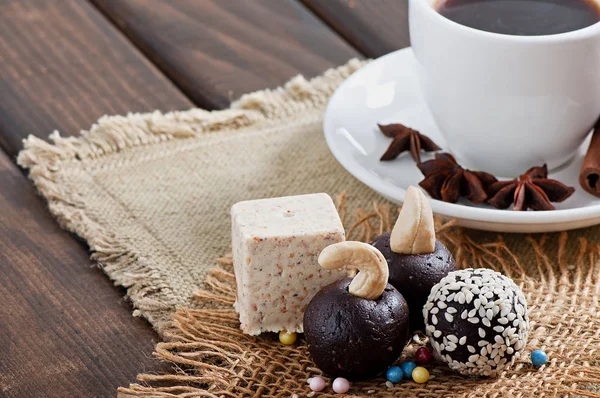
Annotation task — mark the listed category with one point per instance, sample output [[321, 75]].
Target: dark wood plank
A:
[[65, 330], [374, 27], [217, 50], [63, 65]]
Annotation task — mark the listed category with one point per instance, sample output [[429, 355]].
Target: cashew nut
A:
[[414, 231], [373, 273]]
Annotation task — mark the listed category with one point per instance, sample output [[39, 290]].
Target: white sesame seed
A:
[[471, 349], [494, 353], [486, 322], [448, 317], [450, 297], [451, 310], [520, 310], [434, 320], [481, 333], [503, 321], [473, 320], [483, 299], [511, 317], [373, 391], [437, 333], [510, 350], [451, 347], [442, 305], [518, 345], [473, 312], [463, 340], [477, 303], [430, 329], [495, 310], [389, 384], [310, 394], [498, 329], [434, 310], [452, 338], [468, 297], [473, 358], [483, 351], [489, 295], [489, 314], [481, 312], [464, 314], [460, 297], [482, 343]]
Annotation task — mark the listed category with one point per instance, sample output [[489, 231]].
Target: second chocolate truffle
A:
[[353, 337], [413, 275]]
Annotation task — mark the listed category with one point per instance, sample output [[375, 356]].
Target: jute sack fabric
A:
[[151, 193]]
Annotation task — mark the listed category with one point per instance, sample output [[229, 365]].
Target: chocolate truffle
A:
[[416, 260], [413, 275], [356, 327], [353, 337], [477, 321]]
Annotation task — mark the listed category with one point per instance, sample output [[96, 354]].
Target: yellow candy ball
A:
[[287, 338], [420, 374]]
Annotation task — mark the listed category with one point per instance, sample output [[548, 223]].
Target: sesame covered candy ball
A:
[[477, 321]]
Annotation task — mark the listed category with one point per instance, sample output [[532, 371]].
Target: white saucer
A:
[[387, 91]]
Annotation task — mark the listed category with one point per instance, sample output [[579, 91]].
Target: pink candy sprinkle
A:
[[317, 383], [341, 385]]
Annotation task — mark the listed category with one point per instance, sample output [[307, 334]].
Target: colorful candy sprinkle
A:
[[340, 385], [394, 374], [317, 383], [420, 374], [287, 338], [422, 356], [407, 369], [538, 358]]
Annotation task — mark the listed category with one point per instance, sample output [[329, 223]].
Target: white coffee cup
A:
[[506, 103]]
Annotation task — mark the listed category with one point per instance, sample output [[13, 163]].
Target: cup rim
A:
[[584, 33]]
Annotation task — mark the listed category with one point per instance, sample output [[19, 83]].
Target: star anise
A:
[[446, 180], [533, 190], [406, 139]]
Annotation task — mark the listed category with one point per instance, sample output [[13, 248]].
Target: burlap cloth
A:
[[151, 193]]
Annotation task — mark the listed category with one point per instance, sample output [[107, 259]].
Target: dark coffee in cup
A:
[[522, 17]]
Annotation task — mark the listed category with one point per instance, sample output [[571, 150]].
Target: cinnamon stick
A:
[[589, 177]]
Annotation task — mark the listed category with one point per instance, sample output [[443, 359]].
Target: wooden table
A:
[[65, 330]]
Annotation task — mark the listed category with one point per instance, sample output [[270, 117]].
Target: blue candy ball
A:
[[407, 369], [394, 374], [539, 358]]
